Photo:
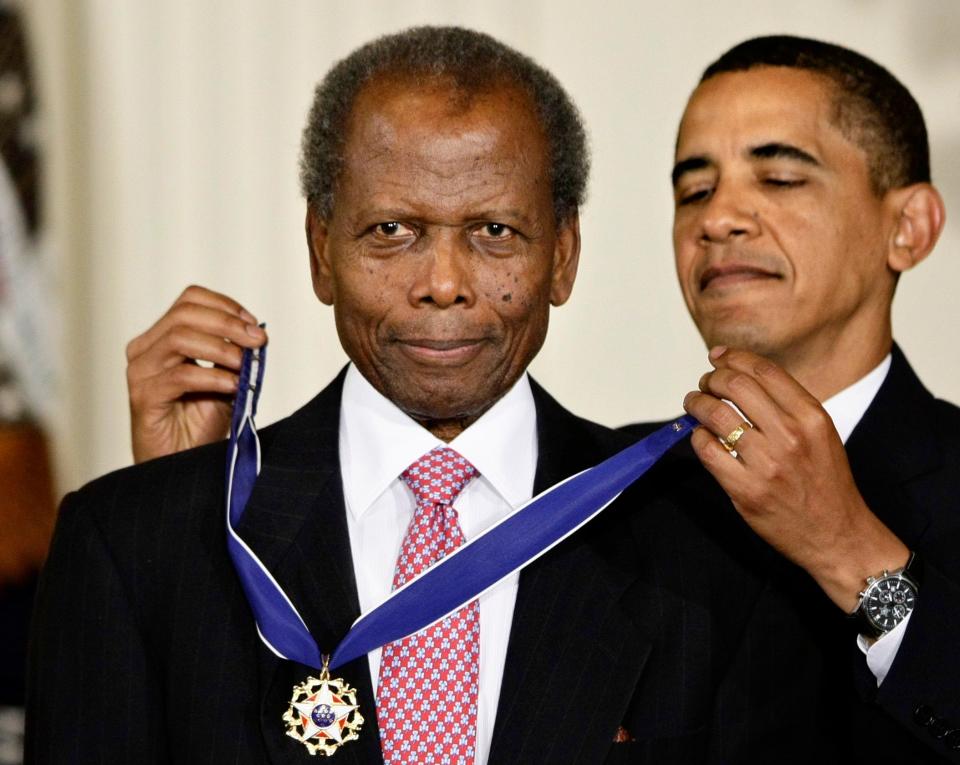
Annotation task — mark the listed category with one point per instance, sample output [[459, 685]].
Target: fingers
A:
[[730, 473], [791, 430], [712, 413], [773, 400], [706, 444], [776, 383], [204, 311], [176, 403], [172, 385], [201, 324], [179, 344], [748, 395]]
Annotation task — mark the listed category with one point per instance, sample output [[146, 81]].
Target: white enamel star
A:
[[334, 707], [323, 714]]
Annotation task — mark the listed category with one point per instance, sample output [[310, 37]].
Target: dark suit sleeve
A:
[[92, 694], [922, 688]]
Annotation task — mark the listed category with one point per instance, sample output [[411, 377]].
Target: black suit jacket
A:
[[145, 651], [905, 457]]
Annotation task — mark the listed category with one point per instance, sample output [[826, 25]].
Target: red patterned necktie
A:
[[429, 681]]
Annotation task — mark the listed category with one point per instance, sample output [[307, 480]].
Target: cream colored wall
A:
[[172, 131]]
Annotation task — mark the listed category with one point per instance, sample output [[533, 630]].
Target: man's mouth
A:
[[435, 350], [732, 275]]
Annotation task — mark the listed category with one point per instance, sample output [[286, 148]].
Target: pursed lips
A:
[[732, 274], [440, 350]]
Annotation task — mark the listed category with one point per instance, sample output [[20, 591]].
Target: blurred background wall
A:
[[171, 129]]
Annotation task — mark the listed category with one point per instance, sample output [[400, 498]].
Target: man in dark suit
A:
[[802, 188], [803, 192], [441, 247]]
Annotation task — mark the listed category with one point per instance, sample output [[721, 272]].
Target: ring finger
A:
[[722, 420]]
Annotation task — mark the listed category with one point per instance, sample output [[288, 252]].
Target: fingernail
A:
[[687, 398], [254, 331], [247, 316], [717, 351]]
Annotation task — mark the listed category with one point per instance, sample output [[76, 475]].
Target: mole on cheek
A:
[[507, 297]]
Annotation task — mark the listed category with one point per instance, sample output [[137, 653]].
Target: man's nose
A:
[[446, 274], [728, 213]]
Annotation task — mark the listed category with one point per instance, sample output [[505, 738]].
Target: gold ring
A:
[[730, 442]]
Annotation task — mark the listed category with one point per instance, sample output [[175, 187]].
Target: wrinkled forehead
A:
[[432, 139], [437, 112]]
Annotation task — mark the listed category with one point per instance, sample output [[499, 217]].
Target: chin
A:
[[751, 337], [439, 405]]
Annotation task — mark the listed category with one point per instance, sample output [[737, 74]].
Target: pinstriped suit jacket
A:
[[144, 650]]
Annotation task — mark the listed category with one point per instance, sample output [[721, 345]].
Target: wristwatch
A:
[[888, 599]]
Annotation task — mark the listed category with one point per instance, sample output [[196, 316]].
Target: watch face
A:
[[888, 602]]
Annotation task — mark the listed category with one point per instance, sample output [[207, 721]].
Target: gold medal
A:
[[323, 714]]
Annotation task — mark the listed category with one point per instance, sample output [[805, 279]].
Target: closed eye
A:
[[784, 183], [696, 195]]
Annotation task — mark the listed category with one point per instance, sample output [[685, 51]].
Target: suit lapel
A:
[[574, 657], [884, 462], [295, 521]]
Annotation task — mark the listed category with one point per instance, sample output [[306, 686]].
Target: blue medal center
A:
[[323, 716]]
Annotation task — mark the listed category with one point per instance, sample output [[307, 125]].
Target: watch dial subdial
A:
[[889, 603]]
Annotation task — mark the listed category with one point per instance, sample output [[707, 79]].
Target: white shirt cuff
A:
[[881, 654]]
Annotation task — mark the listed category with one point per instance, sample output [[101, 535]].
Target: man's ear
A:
[[566, 259], [920, 216], [320, 273]]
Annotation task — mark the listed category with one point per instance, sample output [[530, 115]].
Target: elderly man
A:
[[802, 192], [443, 173]]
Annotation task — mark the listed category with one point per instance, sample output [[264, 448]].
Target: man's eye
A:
[[690, 197], [783, 183], [391, 229], [495, 231]]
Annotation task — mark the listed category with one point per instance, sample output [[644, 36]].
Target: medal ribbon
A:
[[517, 540]]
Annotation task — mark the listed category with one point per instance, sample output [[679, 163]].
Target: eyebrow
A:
[[688, 165], [771, 150], [783, 151]]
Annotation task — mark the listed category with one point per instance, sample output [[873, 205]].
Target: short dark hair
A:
[[472, 62], [873, 108]]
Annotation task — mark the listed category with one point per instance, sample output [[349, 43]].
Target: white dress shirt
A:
[[377, 443], [846, 409]]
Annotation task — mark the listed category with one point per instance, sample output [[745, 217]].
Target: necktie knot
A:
[[438, 477]]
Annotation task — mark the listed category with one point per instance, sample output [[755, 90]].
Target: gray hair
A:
[[473, 62]]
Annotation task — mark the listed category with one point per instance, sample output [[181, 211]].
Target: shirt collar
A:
[[378, 442], [847, 407]]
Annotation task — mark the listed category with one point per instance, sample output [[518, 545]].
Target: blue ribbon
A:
[[520, 538]]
